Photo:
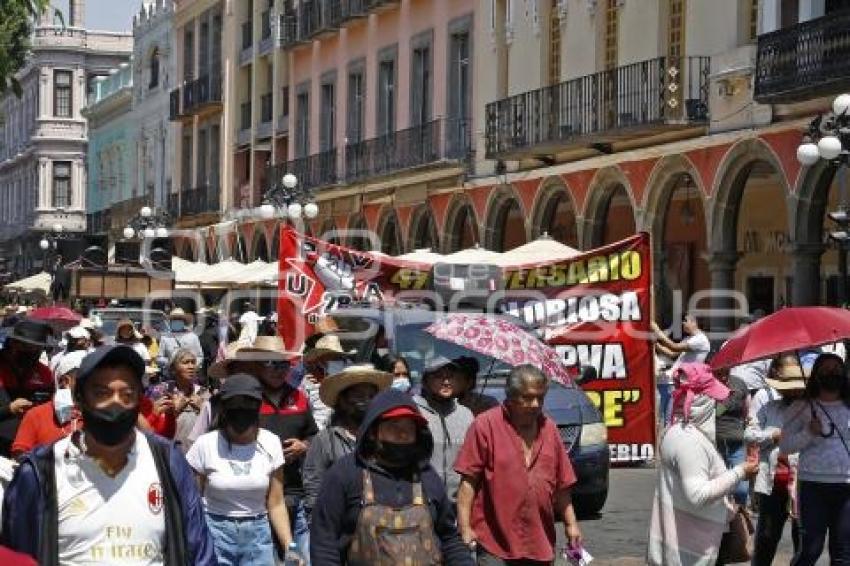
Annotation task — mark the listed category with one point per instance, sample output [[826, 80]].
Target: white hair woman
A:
[[691, 509]]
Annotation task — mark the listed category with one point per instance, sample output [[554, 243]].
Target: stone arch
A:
[[746, 160], [423, 229], [728, 190], [553, 201], [389, 233], [609, 187], [462, 228], [505, 225]]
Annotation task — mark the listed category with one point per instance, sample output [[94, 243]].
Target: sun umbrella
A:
[[500, 339], [55, 315], [787, 330]]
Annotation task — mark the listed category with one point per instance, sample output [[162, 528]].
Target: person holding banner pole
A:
[[693, 349]]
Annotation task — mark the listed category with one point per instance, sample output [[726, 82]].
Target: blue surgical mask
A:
[[63, 405], [401, 384], [178, 325]]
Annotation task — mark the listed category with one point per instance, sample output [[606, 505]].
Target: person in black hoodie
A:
[[388, 480]]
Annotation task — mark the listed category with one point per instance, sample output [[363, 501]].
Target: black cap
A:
[[32, 332], [111, 355], [241, 385], [435, 364]]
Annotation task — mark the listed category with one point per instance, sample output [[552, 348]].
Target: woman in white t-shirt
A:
[[239, 468]]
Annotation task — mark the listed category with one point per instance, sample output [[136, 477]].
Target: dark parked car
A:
[[374, 332]]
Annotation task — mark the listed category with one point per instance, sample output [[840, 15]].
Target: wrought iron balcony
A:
[[405, 149], [195, 96], [803, 61], [600, 108], [312, 18], [314, 171], [200, 200]]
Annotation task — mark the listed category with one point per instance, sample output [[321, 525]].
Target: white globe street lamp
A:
[[829, 147], [129, 233], [267, 211], [290, 181], [294, 210], [162, 232], [146, 212], [841, 104], [149, 233], [808, 154], [44, 244], [311, 210]]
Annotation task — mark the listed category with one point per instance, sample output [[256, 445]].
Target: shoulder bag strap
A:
[[175, 539], [836, 428]]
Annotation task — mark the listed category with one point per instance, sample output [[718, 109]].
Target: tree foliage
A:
[[17, 18]]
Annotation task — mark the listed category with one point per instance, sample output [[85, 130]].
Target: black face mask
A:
[[357, 410], [109, 426], [395, 455], [831, 382], [240, 420]]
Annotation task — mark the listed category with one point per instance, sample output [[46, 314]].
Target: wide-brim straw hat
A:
[[265, 348], [335, 384], [124, 322], [327, 348], [179, 313], [788, 378]]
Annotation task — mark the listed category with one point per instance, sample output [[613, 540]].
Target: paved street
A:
[[618, 535]]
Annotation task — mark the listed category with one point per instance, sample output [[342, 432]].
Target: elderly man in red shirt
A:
[[516, 478]]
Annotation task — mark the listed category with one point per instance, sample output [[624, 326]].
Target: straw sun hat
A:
[[335, 384]]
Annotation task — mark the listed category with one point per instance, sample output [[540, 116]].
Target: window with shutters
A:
[[356, 104], [204, 49], [154, 69], [188, 55], [421, 85], [554, 44], [215, 67], [386, 97], [62, 94], [61, 184], [612, 32], [458, 127], [202, 157], [302, 124], [327, 125]]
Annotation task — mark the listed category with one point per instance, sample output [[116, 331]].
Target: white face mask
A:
[[63, 405], [401, 384]]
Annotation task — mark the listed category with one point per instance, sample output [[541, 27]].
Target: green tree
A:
[[16, 24]]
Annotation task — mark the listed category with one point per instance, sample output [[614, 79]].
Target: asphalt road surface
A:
[[618, 535]]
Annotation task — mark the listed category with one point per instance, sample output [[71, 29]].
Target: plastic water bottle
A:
[[292, 557]]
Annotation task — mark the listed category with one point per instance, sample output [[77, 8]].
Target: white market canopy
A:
[[543, 249], [38, 282]]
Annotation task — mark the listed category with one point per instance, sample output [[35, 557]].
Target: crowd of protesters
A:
[[770, 436], [144, 449]]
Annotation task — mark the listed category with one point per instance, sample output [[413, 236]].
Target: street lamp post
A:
[[149, 223], [50, 241], [828, 138], [291, 201]]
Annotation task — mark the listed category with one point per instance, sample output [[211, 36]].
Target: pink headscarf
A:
[[694, 379]]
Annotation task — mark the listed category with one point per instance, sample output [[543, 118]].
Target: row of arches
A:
[[752, 227]]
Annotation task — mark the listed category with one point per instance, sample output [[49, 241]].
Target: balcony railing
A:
[[397, 151], [803, 61], [314, 17], [654, 92], [194, 95], [313, 172], [200, 200]]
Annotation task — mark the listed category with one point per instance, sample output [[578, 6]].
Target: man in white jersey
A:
[[107, 494], [693, 349]]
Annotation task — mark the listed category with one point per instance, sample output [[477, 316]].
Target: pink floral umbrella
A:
[[500, 339]]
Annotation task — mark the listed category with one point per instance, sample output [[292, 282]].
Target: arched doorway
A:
[[680, 244], [424, 230], [613, 219], [556, 217], [390, 236], [506, 230], [462, 230], [751, 244]]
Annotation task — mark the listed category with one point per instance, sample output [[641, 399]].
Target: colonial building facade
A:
[[446, 123], [44, 135]]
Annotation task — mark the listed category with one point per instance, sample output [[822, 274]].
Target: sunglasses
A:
[[276, 364]]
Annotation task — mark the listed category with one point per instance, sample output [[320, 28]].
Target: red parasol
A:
[[55, 315], [498, 338], [787, 330]]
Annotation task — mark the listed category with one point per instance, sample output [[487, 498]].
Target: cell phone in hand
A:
[[40, 397]]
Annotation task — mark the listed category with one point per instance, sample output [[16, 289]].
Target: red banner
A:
[[593, 308]]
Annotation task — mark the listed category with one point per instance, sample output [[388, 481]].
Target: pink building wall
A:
[[365, 38]]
